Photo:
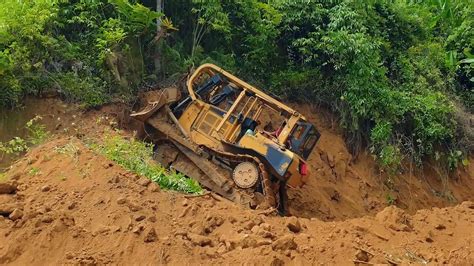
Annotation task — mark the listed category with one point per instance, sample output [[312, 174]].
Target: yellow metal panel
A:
[[189, 116], [257, 143], [252, 142], [204, 127], [290, 124], [202, 139]]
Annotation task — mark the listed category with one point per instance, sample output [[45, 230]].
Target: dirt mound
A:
[[64, 204], [342, 187]]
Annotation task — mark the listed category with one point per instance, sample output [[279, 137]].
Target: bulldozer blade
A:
[[166, 96]]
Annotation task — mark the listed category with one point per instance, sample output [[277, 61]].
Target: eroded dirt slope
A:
[[342, 187], [65, 204]]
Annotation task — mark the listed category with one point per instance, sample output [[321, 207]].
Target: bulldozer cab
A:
[[303, 139]]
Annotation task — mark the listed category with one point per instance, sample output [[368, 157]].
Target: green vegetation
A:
[[86, 50], [3, 177], [69, 149], [391, 200], [136, 156], [37, 134], [15, 146], [399, 74], [34, 171]]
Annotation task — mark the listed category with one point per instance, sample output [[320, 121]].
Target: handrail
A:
[[258, 93]]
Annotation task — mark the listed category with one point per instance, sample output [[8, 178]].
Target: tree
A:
[[209, 16]]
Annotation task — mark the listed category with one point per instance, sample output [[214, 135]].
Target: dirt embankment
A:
[[342, 187], [339, 187], [67, 204]]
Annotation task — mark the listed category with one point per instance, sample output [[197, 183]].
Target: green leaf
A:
[[465, 162], [467, 61]]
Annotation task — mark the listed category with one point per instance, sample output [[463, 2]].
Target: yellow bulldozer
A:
[[231, 137]]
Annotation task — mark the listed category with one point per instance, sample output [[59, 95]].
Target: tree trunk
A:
[[158, 67]]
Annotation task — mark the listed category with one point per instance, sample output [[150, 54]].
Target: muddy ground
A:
[[78, 207]]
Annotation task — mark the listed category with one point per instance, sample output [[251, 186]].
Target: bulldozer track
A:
[[265, 179], [215, 179]]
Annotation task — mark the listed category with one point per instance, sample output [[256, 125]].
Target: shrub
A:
[[390, 70], [89, 91], [87, 50], [37, 134]]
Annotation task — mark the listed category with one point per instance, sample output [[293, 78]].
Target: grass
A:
[[391, 200], [3, 177], [34, 171], [37, 133], [136, 156], [69, 149]]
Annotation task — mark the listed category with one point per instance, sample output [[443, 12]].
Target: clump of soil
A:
[[63, 207]]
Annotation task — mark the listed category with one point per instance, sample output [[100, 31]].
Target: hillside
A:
[[380, 132], [83, 209], [65, 204]]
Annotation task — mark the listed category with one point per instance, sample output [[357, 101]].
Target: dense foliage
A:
[[399, 74], [84, 49]]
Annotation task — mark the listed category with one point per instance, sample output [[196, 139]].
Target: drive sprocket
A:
[[245, 174]]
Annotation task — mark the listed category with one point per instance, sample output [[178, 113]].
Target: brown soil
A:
[[68, 205], [342, 187], [81, 208], [59, 118]]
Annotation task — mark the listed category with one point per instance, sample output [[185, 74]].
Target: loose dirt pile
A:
[[65, 204], [342, 187]]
